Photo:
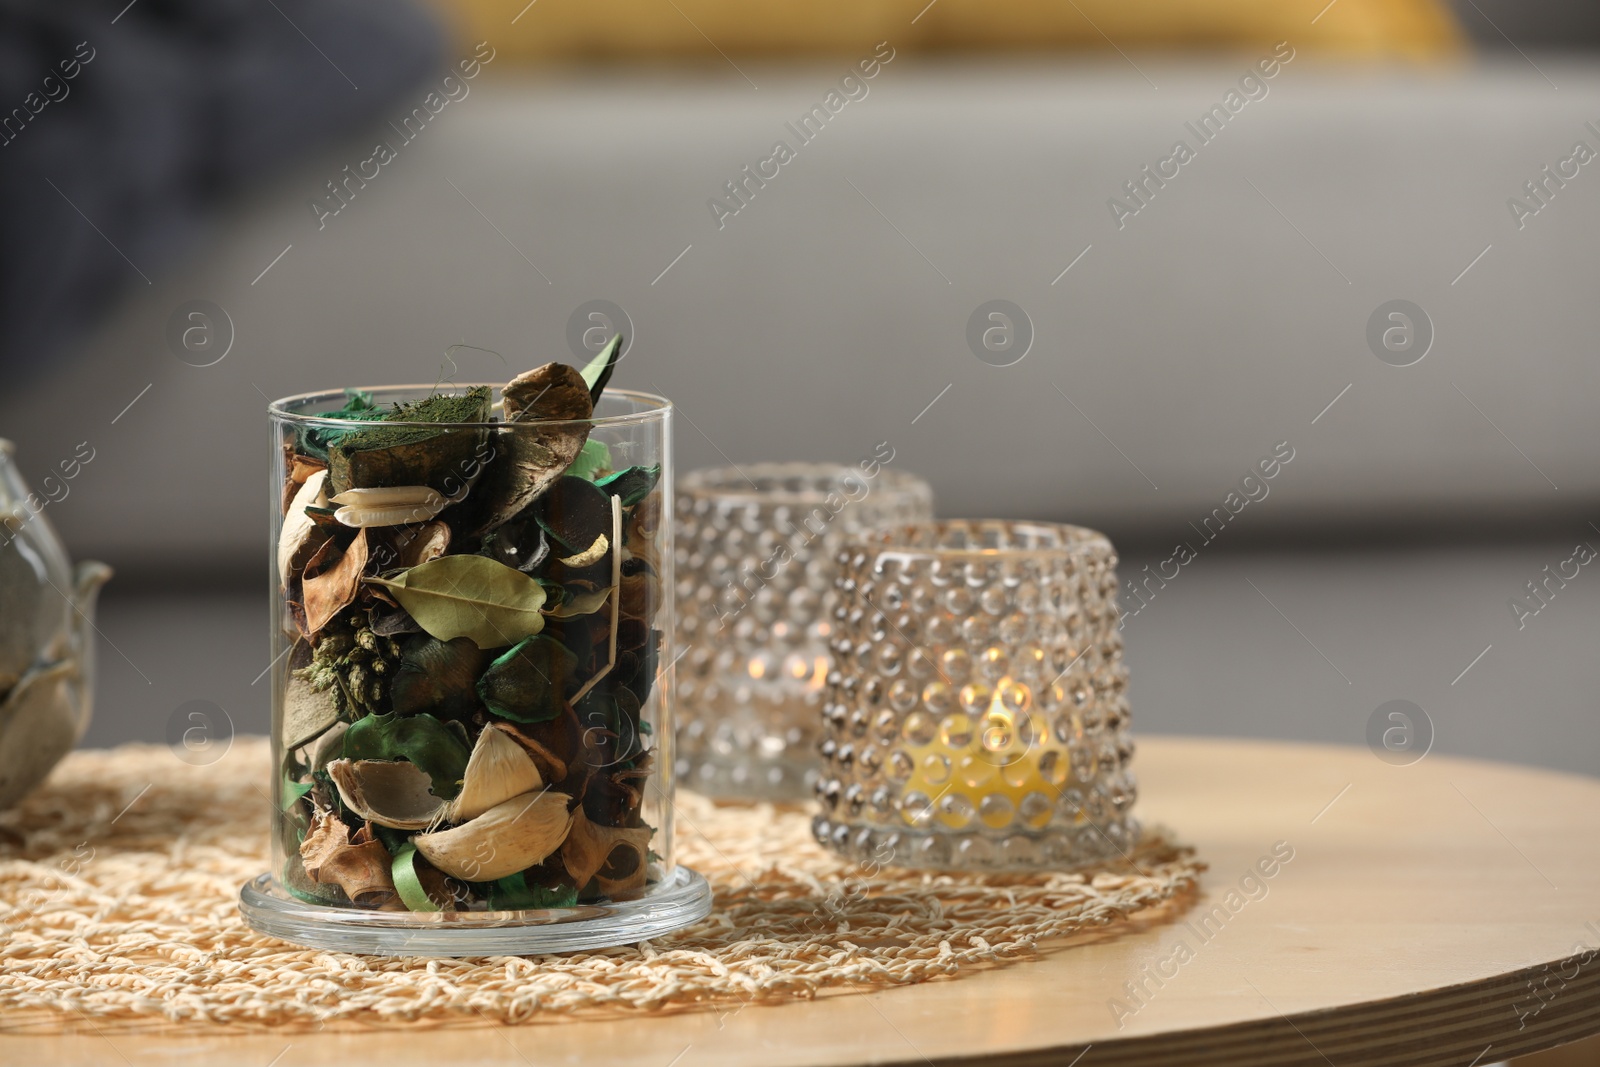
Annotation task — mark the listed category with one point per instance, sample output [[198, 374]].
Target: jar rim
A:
[[732, 482], [652, 407], [903, 540]]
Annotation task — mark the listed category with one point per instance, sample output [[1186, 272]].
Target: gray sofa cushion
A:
[[826, 316]]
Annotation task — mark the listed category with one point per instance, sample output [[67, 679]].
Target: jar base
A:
[[678, 903]]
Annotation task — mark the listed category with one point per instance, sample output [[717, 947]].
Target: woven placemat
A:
[[119, 880]]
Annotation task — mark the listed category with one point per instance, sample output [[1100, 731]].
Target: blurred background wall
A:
[[1173, 331]]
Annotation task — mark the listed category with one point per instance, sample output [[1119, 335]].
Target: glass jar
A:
[[755, 605], [472, 737], [979, 716]]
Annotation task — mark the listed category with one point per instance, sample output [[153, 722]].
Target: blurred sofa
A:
[[1223, 316]]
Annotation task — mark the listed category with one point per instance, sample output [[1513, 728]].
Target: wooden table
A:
[[1429, 915]]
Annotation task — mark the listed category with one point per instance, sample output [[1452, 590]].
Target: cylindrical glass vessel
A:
[[978, 718], [756, 547], [471, 618]]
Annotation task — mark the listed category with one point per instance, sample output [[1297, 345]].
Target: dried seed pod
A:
[[552, 764], [549, 404], [358, 864], [508, 838], [389, 506], [427, 543], [590, 847], [498, 770], [391, 793]]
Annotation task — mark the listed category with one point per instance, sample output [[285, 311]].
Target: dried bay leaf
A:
[[581, 603], [334, 589], [470, 596]]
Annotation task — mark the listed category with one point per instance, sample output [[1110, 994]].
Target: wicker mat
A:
[[119, 880]]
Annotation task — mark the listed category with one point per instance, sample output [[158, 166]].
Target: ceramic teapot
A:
[[46, 639]]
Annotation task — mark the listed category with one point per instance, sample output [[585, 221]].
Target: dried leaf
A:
[[294, 540], [359, 865], [335, 589], [438, 677], [575, 513], [528, 683], [598, 371], [631, 485], [580, 603], [306, 712], [470, 596], [592, 461]]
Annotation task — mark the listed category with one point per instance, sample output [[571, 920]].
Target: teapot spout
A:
[[88, 577]]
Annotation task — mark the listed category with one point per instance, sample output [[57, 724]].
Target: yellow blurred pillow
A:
[[583, 29]]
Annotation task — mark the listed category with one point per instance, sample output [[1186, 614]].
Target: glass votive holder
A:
[[472, 616], [978, 716], [756, 547]]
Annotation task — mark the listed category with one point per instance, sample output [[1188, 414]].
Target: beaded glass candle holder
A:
[[755, 550], [978, 715]]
